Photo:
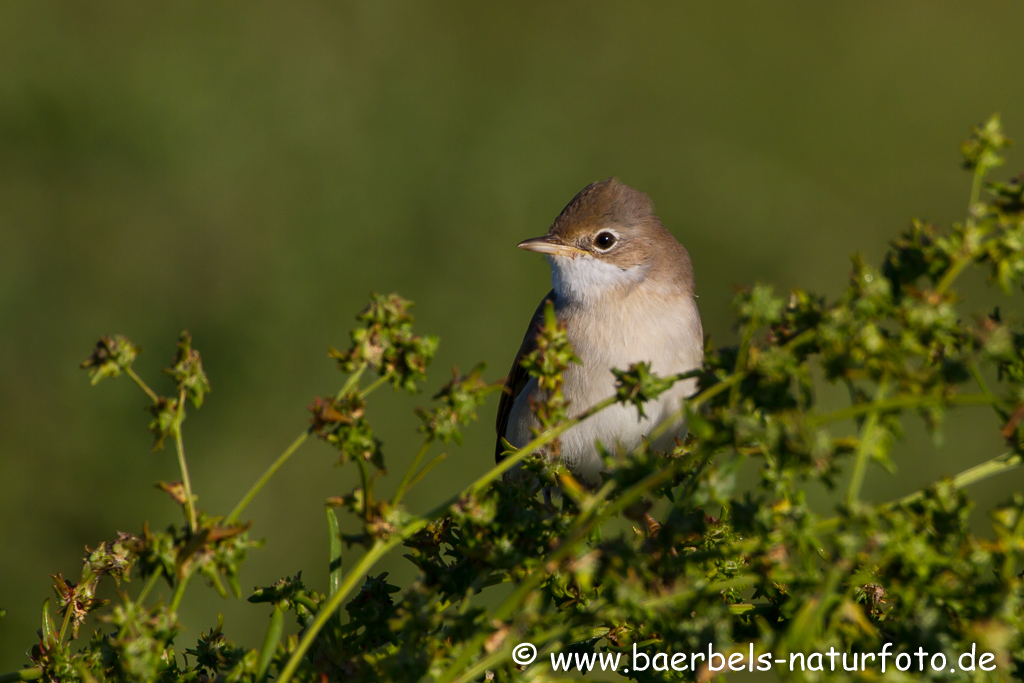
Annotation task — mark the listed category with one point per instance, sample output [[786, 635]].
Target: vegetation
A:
[[742, 570]]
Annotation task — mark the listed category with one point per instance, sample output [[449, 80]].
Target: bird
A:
[[623, 286]]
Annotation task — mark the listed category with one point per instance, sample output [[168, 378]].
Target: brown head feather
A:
[[613, 205], [603, 204]]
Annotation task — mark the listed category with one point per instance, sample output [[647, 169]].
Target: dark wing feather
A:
[[517, 376]]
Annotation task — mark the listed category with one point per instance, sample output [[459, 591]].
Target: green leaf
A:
[[270, 642], [334, 536], [49, 631]]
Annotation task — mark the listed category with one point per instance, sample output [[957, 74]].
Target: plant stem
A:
[[352, 380], [990, 468], [961, 260], [150, 584], [741, 363], [955, 268], [372, 386], [186, 481], [179, 592], [1011, 558], [265, 477], [867, 437], [407, 477], [145, 387], [980, 379], [33, 674], [426, 468], [64, 624], [900, 402], [365, 481], [179, 446]]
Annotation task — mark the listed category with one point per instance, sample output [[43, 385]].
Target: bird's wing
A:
[[517, 376]]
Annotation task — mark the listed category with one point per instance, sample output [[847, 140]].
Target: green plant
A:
[[746, 572]]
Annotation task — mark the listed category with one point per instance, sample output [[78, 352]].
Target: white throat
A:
[[583, 278]]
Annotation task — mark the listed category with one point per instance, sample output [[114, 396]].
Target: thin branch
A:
[[265, 477], [179, 445], [32, 674], [353, 379], [364, 480], [961, 260], [900, 403], [150, 584], [407, 477], [64, 624], [179, 592], [145, 387], [372, 386], [426, 468], [741, 363], [990, 468], [867, 442], [980, 379]]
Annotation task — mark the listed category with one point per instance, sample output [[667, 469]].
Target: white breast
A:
[[614, 332]]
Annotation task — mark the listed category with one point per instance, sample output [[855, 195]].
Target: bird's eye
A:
[[604, 241]]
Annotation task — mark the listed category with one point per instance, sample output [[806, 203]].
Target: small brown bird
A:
[[624, 288]]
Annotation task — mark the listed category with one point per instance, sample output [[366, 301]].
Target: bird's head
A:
[[608, 241]]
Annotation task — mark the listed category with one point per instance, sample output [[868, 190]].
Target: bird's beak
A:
[[549, 244]]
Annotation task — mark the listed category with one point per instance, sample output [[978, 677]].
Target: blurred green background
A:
[[252, 174]]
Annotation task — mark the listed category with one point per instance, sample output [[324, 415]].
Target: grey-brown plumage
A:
[[623, 286]]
